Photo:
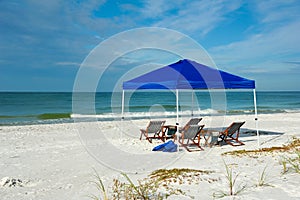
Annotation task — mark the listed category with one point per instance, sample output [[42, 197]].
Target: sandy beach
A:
[[80, 79], [58, 161]]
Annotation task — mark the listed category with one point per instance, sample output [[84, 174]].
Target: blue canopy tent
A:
[[187, 74]]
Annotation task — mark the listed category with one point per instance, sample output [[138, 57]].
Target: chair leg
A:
[[198, 145], [228, 141], [141, 136], [142, 133], [146, 135], [149, 139], [237, 142], [186, 145]]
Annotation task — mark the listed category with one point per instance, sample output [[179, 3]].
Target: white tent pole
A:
[[123, 100], [177, 107], [256, 119], [192, 103]]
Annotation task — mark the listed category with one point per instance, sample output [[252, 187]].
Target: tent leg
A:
[[177, 107], [256, 119], [192, 103], [123, 99]]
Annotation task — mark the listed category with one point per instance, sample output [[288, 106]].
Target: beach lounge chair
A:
[[231, 134], [191, 133], [152, 131], [192, 121]]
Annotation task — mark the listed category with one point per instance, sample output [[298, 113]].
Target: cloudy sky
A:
[[43, 43]]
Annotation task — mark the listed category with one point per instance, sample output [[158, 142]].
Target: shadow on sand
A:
[[252, 132], [245, 132]]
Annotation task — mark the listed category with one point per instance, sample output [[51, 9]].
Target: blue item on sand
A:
[[169, 146]]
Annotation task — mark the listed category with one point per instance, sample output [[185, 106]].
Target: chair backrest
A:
[[192, 131], [235, 126], [155, 126], [192, 121]]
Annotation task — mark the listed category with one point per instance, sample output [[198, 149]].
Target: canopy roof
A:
[[188, 74]]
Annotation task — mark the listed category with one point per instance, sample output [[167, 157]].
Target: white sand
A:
[[57, 161]]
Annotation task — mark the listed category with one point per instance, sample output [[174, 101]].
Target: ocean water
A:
[[18, 108]]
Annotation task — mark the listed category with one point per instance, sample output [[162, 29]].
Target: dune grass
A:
[[100, 187], [232, 188], [262, 178], [166, 176], [158, 185], [291, 147], [289, 162], [292, 162]]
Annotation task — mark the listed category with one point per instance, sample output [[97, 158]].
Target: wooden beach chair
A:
[[231, 134], [152, 131], [192, 121], [191, 133]]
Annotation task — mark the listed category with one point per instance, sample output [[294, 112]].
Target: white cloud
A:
[[189, 16], [42, 33], [275, 43], [272, 11], [68, 64], [281, 40]]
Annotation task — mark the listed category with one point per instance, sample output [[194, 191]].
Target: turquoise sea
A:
[[19, 108]]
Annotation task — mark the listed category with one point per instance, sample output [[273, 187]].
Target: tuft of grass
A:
[[291, 163], [262, 179], [145, 191], [118, 189], [100, 186], [284, 165], [231, 181]]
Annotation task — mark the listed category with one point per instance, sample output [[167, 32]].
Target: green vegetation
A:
[[165, 176], [163, 183], [232, 188], [100, 187], [295, 144], [54, 116], [6, 117], [289, 163], [292, 162], [262, 179], [156, 186], [143, 190]]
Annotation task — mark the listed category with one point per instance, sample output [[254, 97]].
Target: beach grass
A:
[[291, 162], [158, 185], [292, 146], [177, 174], [232, 188], [262, 179], [143, 190], [100, 187]]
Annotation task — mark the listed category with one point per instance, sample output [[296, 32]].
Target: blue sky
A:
[[43, 43]]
